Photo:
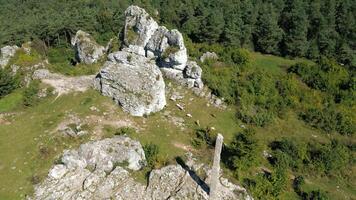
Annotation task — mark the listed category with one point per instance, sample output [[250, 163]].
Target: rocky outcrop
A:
[[86, 48], [94, 171], [134, 82], [143, 36], [7, 53], [132, 76], [98, 170], [209, 56]]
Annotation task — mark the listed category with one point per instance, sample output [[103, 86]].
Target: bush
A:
[[243, 152], [125, 131], [288, 153], [241, 57], [151, 153], [8, 82], [204, 137], [329, 119], [267, 185], [30, 97]]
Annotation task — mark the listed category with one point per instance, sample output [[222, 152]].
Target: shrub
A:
[[151, 153], [243, 152], [267, 185], [8, 82], [125, 131], [241, 57], [288, 153], [30, 97], [204, 136]]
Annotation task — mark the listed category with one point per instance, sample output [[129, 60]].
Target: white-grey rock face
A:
[[143, 36], [97, 171], [93, 172], [209, 56], [134, 82], [168, 47], [139, 27], [87, 50], [7, 53]]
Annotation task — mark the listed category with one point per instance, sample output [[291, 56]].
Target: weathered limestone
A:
[[143, 36], [87, 50], [215, 171], [209, 56], [7, 53], [98, 170], [134, 82]]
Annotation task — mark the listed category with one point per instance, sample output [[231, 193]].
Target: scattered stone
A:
[[189, 115], [176, 96], [180, 106], [197, 123], [266, 154], [86, 48], [93, 108]]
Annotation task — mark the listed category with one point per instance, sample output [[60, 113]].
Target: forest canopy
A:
[[296, 28]]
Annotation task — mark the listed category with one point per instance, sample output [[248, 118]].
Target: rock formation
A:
[[143, 36], [209, 56], [7, 53], [86, 49], [134, 82], [98, 170]]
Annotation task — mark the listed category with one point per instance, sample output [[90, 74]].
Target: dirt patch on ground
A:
[[63, 84]]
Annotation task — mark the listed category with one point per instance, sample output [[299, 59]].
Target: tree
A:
[[295, 25], [212, 26], [233, 23], [267, 34]]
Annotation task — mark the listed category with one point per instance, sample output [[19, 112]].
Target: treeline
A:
[[302, 28]]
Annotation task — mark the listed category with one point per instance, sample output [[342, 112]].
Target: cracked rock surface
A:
[[101, 170]]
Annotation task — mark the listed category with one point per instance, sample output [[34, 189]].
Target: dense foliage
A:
[[296, 28], [7, 82]]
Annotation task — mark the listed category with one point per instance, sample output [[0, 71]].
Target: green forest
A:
[[286, 67]]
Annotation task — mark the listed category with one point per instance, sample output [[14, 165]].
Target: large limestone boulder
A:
[[7, 53], [139, 27], [86, 173], [168, 47], [134, 82], [143, 36], [86, 48], [95, 171]]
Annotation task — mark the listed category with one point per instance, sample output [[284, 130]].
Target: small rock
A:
[[189, 115], [180, 106]]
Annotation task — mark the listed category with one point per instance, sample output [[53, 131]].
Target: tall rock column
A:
[[215, 171]]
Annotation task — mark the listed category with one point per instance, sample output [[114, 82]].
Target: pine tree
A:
[[296, 28], [212, 26], [233, 22], [267, 34], [248, 17]]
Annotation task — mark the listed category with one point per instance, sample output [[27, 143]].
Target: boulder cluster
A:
[[133, 76], [101, 170]]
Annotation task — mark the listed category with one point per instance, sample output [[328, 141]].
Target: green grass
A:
[[11, 101], [272, 63], [29, 144]]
